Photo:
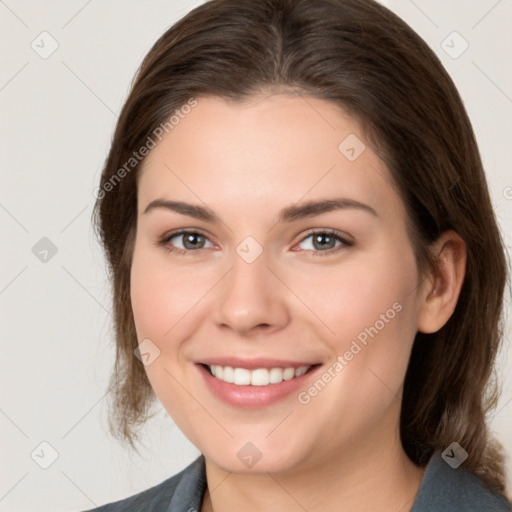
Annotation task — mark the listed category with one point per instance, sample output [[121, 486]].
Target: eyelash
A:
[[164, 241]]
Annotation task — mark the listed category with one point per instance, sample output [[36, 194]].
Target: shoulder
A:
[[444, 488], [184, 491]]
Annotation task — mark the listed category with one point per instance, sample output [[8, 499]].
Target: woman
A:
[[307, 269]]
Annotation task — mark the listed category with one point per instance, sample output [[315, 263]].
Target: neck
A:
[[377, 476]]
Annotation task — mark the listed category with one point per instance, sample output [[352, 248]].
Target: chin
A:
[[255, 458]]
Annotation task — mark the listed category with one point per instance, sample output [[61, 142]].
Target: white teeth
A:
[[241, 377], [259, 377], [301, 371], [288, 373], [218, 371], [275, 375], [229, 374]]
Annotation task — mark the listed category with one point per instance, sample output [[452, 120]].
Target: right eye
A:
[[191, 241]]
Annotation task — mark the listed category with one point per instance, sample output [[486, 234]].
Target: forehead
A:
[[270, 150]]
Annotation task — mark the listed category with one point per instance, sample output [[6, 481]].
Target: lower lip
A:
[[253, 397]]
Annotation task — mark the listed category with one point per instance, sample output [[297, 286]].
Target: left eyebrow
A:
[[312, 208], [288, 214]]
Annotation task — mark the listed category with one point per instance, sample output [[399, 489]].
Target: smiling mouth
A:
[[256, 377]]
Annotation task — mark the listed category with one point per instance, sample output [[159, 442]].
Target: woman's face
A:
[[296, 259]]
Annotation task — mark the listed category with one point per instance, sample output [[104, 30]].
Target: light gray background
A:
[[58, 114]]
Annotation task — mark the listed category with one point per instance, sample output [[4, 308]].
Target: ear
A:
[[440, 291]]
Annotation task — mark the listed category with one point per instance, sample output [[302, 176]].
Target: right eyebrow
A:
[[192, 210]]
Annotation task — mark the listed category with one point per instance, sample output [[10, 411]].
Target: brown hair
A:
[[363, 58]]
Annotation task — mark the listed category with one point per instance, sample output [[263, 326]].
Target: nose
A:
[[251, 299]]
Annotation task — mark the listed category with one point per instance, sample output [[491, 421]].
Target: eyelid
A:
[[165, 239], [328, 231], [346, 240]]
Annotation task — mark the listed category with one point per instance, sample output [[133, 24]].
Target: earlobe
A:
[[440, 292]]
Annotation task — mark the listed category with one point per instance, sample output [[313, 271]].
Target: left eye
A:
[[322, 241]]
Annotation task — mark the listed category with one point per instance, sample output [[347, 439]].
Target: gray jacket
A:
[[442, 489]]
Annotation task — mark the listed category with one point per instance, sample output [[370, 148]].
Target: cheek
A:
[[163, 301], [353, 296], [368, 305], [150, 300], [161, 295]]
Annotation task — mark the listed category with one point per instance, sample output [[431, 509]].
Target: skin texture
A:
[[296, 301]]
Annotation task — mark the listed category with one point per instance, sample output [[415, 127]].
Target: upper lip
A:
[[253, 363]]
